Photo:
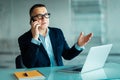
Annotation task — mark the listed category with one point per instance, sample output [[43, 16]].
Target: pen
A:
[[25, 74]]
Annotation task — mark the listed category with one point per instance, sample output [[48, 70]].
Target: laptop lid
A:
[[96, 57]]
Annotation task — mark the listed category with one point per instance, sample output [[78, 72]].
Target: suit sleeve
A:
[[68, 53], [29, 51]]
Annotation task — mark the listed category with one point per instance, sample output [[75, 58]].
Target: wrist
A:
[[38, 42], [35, 37], [79, 47]]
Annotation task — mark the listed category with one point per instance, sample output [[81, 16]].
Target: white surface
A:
[[96, 57]]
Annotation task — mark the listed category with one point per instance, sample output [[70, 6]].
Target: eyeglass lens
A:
[[40, 16]]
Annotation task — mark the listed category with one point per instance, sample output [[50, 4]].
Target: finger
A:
[[90, 35], [37, 25], [81, 34], [33, 25]]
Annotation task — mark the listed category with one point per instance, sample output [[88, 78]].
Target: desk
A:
[[110, 71]]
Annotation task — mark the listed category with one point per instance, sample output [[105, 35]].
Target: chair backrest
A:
[[19, 63]]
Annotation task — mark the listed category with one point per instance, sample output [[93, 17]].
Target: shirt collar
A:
[[42, 37]]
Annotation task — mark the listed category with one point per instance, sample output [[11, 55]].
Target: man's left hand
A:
[[83, 40]]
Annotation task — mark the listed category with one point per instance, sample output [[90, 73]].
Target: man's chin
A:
[[43, 27]]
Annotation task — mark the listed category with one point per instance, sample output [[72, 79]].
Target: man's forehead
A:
[[39, 10]]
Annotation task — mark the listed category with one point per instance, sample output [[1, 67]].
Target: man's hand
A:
[[83, 40], [35, 29]]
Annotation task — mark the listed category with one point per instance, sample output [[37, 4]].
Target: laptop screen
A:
[[96, 57]]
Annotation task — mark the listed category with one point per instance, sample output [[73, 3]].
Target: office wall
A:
[[14, 21], [111, 10]]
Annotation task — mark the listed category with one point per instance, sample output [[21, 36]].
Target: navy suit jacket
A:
[[34, 55]]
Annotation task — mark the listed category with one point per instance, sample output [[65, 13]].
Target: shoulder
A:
[[25, 36], [55, 30]]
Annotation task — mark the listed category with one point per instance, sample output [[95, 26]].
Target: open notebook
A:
[[95, 59]]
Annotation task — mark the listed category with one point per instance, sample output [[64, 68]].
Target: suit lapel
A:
[[53, 42]]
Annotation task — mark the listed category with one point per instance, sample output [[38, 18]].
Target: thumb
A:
[[81, 34]]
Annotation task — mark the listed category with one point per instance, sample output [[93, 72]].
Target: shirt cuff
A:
[[79, 48], [35, 41]]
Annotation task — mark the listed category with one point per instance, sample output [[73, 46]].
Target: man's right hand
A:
[[35, 29]]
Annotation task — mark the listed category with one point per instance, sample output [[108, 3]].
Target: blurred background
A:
[[101, 17]]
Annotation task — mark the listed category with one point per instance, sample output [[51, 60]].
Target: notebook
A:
[[95, 59], [29, 75]]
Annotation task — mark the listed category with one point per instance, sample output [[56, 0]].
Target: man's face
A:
[[41, 15]]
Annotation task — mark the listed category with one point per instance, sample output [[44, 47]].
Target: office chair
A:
[[19, 63]]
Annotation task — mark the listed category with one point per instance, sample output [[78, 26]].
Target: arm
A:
[[70, 53], [63, 48], [28, 50]]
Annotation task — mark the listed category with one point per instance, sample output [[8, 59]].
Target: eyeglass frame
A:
[[41, 15]]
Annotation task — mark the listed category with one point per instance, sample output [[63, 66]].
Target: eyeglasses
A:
[[41, 16]]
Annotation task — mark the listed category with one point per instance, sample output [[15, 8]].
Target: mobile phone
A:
[[31, 20]]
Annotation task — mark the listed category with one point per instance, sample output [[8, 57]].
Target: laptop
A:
[[96, 59]]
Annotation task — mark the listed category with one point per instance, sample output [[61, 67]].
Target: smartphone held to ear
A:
[[32, 20]]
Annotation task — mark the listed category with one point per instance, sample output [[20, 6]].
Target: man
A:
[[43, 46]]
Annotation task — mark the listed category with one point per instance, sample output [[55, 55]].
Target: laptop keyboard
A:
[[77, 69]]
